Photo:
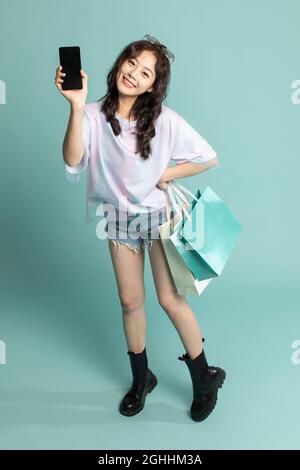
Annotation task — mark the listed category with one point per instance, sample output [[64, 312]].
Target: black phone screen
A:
[[69, 58]]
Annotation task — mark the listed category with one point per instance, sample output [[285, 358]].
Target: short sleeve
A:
[[72, 173], [190, 146]]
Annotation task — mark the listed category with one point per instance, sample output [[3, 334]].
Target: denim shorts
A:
[[138, 231]]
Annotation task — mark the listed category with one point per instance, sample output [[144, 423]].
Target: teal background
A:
[[67, 366]]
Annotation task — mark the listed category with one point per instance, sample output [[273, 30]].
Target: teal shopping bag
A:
[[206, 237]]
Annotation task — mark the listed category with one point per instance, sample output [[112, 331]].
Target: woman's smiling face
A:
[[139, 71]]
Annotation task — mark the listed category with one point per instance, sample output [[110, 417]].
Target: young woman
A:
[[126, 139]]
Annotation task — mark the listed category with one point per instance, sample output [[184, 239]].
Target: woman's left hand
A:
[[162, 184]]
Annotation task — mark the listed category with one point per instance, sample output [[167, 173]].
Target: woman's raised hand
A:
[[75, 97]]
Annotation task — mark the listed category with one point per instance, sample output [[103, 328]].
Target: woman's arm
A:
[[72, 145], [186, 169], [72, 148]]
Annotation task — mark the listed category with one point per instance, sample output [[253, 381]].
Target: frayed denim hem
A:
[[136, 249]]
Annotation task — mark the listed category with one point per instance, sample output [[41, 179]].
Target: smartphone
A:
[[69, 59]]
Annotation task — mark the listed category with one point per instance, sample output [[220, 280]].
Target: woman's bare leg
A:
[[129, 272], [174, 305]]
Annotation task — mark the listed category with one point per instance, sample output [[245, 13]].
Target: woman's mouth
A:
[[127, 83]]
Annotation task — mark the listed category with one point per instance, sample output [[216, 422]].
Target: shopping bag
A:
[[207, 235], [184, 280]]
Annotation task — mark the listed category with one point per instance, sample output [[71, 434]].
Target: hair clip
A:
[[155, 41]]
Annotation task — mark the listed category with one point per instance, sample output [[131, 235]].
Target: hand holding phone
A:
[[70, 79]]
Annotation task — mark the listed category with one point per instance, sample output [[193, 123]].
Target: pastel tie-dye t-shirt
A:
[[123, 179]]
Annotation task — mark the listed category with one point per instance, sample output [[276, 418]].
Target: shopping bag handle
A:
[[173, 201], [178, 187], [177, 200]]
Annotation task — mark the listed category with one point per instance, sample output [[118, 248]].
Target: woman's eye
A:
[[132, 62]]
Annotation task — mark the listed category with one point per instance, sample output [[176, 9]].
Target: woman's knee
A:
[[132, 302], [169, 302]]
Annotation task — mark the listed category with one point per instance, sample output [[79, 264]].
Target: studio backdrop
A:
[[63, 364]]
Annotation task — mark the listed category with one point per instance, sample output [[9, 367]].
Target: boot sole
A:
[[220, 382], [148, 389]]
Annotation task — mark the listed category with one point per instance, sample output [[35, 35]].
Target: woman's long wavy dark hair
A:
[[148, 105]]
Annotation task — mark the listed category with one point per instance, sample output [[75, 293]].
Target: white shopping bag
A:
[[185, 281]]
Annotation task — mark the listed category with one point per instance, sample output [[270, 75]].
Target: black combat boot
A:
[[143, 382], [206, 381]]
